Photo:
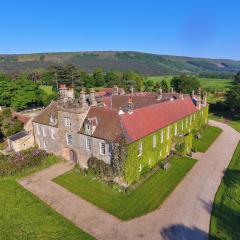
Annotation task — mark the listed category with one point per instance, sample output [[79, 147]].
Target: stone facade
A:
[[67, 141]]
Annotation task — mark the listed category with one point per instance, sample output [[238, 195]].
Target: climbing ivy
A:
[[179, 133]]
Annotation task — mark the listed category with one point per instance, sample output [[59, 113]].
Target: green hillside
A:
[[146, 63]]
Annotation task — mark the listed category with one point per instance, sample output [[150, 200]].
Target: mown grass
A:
[[24, 216], [225, 218], [212, 84], [208, 136], [147, 197], [225, 118]]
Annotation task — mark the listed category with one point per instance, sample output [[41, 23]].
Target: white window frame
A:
[[52, 134], [38, 130], [88, 144], [162, 136], [168, 132], [43, 131], [69, 143], [44, 145], [194, 117], [67, 121], [167, 150], [190, 120], [101, 149], [182, 125], [140, 149], [175, 129], [154, 141]]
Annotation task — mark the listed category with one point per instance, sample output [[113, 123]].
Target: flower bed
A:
[[17, 162]]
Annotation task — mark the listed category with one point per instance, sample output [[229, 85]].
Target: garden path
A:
[[185, 214]]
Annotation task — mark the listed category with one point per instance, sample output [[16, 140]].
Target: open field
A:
[[225, 216], [208, 136], [211, 84], [146, 198], [24, 216]]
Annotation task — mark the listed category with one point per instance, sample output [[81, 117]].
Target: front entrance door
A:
[[72, 156]]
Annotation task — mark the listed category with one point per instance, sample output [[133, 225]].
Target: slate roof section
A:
[[44, 116], [146, 120], [139, 101], [18, 136], [108, 123]]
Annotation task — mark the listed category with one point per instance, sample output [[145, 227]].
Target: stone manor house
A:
[[149, 124]]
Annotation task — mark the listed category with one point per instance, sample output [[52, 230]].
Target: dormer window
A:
[[52, 119], [88, 129]]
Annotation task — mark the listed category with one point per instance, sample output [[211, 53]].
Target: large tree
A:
[[233, 99], [185, 83], [98, 76], [237, 77]]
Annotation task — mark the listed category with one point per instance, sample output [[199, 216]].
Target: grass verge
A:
[[225, 218], [24, 216], [146, 198], [208, 136]]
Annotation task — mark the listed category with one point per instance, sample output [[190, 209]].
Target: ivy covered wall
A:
[[156, 146]]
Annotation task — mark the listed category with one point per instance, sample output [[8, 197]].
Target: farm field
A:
[[211, 84]]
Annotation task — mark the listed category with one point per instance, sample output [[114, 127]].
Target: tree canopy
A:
[[233, 99], [185, 83], [237, 77]]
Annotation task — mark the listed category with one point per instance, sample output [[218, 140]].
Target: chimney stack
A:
[[130, 106], [83, 99], [93, 101], [131, 89], [159, 95], [205, 99]]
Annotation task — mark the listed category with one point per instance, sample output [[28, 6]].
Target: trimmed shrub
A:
[[100, 168]]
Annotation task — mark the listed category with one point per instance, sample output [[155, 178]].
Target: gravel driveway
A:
[[184, 215]]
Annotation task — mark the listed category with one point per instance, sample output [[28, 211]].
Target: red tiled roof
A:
[[22, 118], [146, 120]]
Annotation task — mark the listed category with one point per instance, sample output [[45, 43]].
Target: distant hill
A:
[[146, 63]]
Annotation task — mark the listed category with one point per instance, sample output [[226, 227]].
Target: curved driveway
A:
[[184, 215]]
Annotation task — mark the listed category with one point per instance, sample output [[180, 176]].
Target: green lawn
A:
[[24, 216], [208, 136], [145, 198], [234, 123], [225, 218], [217, 84]]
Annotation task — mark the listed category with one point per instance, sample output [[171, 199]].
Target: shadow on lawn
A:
[[182, 232], [227, 218]]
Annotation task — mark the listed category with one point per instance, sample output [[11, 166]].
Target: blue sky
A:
[[206, 28]]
